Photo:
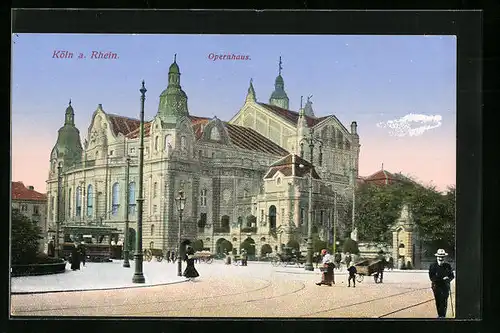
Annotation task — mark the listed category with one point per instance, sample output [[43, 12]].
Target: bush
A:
[[350, 246], [293, 244], [265, 249], [25, 237]]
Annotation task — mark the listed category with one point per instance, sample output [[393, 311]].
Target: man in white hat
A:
[[441, 275]]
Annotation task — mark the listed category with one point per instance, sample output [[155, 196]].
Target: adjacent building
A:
[[32, 204], [246, 179]]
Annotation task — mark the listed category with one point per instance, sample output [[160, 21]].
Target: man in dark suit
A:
[[441, 274]]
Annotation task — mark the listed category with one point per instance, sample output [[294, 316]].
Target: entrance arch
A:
[[223, 246], [248, 245], [272, 217]]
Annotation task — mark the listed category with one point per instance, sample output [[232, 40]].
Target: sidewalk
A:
[[98, 276]]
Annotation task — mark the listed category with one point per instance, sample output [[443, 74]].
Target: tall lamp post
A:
[[138, 256], [180, 202], [126, 262], [312, 142], [58, 210]]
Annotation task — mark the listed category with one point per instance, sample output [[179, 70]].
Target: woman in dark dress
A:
[[328, 275], [75, 258], [190, 272]]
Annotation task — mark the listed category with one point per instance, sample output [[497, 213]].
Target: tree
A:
[[25, 237], [350, 246], [293, 244], [265, 249], [198, 245]]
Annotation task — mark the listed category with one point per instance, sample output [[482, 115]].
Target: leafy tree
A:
[[350, 246], [293, 244], [25, 237], [198, 245]]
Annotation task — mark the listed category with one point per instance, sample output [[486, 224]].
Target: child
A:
[[352, 276]]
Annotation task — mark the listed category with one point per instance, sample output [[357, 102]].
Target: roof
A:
[[123, 125], [135, 133], [292, 116], [290, 166], [247, 138], [198, 125], [383, 177], [21, 192]]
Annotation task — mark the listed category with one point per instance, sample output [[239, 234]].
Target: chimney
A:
[[31, 188]]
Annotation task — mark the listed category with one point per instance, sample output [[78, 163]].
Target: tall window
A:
[[155, 189], [183, 143], [90, 200], [321, 217], [203, 197], [156, 143], [78, 201], [36, 211], [168, 143], [51, 209], [115, 199], [131, 198], [152, 229], [302, 216], [69, 202]]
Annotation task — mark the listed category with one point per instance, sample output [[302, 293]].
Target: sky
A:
[[401, 90]]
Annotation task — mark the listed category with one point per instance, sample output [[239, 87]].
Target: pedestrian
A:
[[441, 274], [51, 250], [82, 251], [168, 256], [338, 259], [379, 274], [172, 256], [244, 258], [190, 272], [352, 276], [390, 263], [75, 257], [327, 277], [347, 259]]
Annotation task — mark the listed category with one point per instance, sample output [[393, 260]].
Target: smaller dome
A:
[[279, 80], [174, 68]]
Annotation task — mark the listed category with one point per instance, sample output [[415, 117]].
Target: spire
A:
[[68, 146], [251, 93], [173, 100], [69, 118], [279, 96], [308, 108]]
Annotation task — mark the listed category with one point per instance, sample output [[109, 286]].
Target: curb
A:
[[96, 289]]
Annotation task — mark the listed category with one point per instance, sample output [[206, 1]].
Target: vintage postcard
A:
[[268, 176]]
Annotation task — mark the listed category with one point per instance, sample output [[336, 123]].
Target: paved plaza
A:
[[258, 290]]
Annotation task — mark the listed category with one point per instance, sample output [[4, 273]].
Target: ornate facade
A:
[[245, 179]]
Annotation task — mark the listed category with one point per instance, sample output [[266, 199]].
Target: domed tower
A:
[[173, 100], [68, 148], [279, 96]]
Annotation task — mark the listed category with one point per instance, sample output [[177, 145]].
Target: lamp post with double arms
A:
[[138, 256], [180, 202], [126, 262], [58, 210]]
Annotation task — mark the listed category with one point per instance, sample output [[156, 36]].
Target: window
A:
[[156, 143], [168, 142], [213, 154], [321, 216], [302, 216], [132, 151], [245, 193], [69, 202], [278, 181], [24, 208], [152, 230], [200, 154], [155, 189], [301, 150], [203, 198], [183, 143], [111, 153], [36, 211], [283, 216], [147, 151], [131, 198], [214, 134], [78, 201], [155, 209], [262, 215], [115, 199], [90, 200]]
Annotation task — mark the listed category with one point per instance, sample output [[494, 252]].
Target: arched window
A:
[[168, 142], [131, 198], [155, 189], [203, 198], [115, 199], [152, 229], [302, 150], [78, 201], [214, 134], [90, 200], [183, 143], [69, 202], [156, 143]]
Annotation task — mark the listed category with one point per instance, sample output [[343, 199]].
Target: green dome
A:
[[279, 80], [174, 68]]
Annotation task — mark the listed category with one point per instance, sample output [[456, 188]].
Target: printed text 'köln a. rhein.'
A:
[[64, 54]]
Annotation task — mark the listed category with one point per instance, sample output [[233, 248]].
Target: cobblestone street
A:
[[258, 290]]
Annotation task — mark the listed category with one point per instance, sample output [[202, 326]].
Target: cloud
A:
[[411, 124]]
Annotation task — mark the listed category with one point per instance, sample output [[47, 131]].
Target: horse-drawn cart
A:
[[367, 267], [204, 256], [150, 253]]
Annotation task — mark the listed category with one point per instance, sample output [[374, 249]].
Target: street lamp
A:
[[180, 202], [138, 256], [58, 211], [126, 263]]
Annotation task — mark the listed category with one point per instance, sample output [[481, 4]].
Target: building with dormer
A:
[[246, 179]]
